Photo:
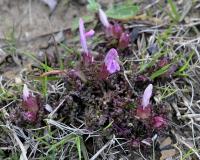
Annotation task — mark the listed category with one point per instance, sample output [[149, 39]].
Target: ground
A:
[[82, 111]]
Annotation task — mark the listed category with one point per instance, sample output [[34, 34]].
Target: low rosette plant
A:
[[30, 105], [114, 30]]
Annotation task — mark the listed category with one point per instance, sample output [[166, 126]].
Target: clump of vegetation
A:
[[101, 96], [101, 92]]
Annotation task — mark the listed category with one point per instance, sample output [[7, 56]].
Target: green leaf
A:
[[83, 149], [186, 65], [44, 66], [68, 138], [160, 72], [93, 6], [78, 145], [122, 11], [2, 154], [174, 15], [155, 57], [108, 126]]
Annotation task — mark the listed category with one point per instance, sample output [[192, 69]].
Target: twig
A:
[[24, 151]]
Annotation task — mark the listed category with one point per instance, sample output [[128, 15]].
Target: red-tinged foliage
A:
[[87, 58], [144, 113], [124, 40], [31, 104], [103, 72], [159, 122], [162, 62], [29, 116], [117, 30]]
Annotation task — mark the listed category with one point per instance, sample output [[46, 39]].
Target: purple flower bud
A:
[[124, 40], [117, 30], [103, 18], [83, 36], [90, 33], [147, 95], [111, 61], [29, 102]]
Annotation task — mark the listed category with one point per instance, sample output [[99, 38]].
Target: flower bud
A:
[[103, 18], [117, 30], [147, 95], [29, 102], [111, 61], [124, 40]]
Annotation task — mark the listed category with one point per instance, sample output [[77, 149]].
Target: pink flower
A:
[[87, 57], [90, 33], [144, 111], [111, 30], [111, 61], [147, 95], [83, 36], [103, 18]]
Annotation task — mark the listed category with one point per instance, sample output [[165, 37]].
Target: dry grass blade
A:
[[111, 142]]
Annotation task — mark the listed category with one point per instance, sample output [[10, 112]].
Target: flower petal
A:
[[112, 54], [147, 95], [113, 67], [82, 36], [26, 92], [103, 18], [111, 61], [90, 33]]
